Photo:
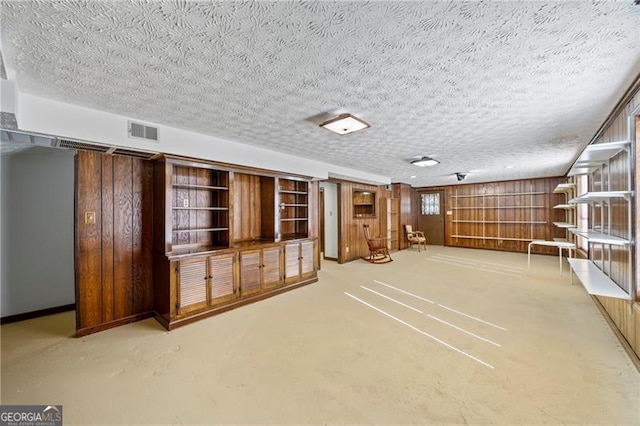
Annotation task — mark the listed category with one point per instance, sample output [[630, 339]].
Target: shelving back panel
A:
[[293, 208], [254, 206], [199, 207]]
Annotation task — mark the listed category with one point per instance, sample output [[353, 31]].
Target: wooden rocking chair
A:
[[378, 251]]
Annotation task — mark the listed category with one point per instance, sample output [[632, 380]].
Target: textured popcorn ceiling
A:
[[478, 86]]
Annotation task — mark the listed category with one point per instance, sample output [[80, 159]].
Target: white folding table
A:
[[562, 245]]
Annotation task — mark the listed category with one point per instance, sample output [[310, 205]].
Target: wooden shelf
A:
[[223, 209], [286, 191], [506, 194], [200, 230], [477, 237], [595, 281], [498, 207], [294, 202], [187, 186], [500, 221]]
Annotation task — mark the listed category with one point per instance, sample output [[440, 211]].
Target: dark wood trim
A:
[[241, 302], [203, 163], [36, 314], [112, 324]]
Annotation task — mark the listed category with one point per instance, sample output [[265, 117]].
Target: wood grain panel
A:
[[307, 261], [88, 257], [409, 206], [247, 201], [291, 261], [107, 239], [123, 236], [636, 336], [142, 181], [267, 208], [162, 235], [222, 277], [250, 265], [192, 285], [352, 244], [271, 275], [121, 192], [504, 215]]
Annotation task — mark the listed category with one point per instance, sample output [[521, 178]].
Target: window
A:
[[431, 204]]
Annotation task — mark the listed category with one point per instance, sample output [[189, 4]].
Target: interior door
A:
[[431, 216]]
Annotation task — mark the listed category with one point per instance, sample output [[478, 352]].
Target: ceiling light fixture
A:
[[345, 123], [425, 162]]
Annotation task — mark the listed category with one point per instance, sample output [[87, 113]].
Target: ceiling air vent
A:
[[64, 143], [140, 131]]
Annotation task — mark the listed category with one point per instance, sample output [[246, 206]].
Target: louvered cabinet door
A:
[[307, 258], [222, 283], [192, 285], [250, 276], [291, 262], [271, 275]]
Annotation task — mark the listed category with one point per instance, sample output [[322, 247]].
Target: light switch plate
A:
[[90, 218]]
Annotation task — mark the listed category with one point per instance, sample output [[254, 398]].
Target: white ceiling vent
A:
[[140, 131]]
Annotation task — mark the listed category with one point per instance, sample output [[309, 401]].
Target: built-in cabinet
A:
[[299, 260], [228, 237]]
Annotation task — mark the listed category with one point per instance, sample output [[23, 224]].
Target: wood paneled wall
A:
[[253, 201], [113, 254], [351, 242], [626, 318], [482, 216], [408, 210]]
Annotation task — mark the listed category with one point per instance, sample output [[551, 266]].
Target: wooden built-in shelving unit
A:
[[227, 236], [293, 208]]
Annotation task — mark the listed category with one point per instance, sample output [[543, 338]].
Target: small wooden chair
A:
[[415, 237], [378, 250]]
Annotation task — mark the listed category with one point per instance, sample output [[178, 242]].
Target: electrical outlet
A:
[[185, 202]]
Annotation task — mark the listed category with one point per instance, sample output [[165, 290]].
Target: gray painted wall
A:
[[37, 269]]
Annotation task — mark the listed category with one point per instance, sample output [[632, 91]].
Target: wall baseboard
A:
[[36, 314]]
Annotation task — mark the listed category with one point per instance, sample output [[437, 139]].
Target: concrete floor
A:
[[446, 336]]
